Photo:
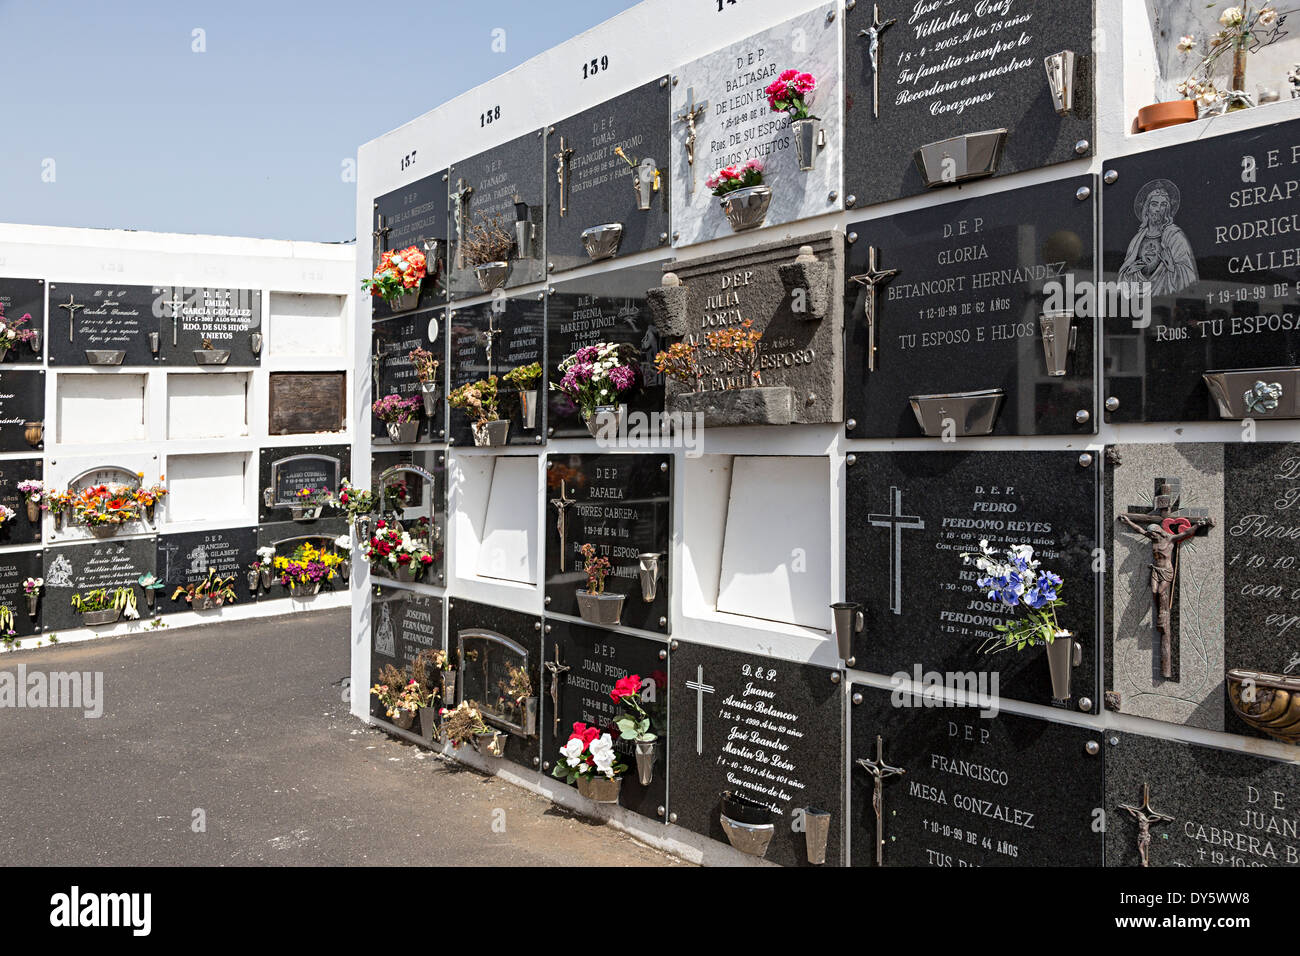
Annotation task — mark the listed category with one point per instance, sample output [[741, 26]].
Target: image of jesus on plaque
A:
[[1159, 254]]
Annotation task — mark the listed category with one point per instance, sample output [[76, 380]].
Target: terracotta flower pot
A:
[[1160, 115]]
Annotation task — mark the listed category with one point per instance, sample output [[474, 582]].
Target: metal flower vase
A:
[[746, 208], [645, 761], [808, 138], [1063, 655]]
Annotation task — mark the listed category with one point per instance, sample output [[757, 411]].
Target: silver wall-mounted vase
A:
[[430, 392], [361, 524], [449, 688], [492, 743], [525, 239], [961, 158], [528, 407], [404, 302], [266, 576], [33, 600], [746, 208], [601, 242], [1060, 80], [105, 356], [849, 620], [35, 341], [255, 342], [599, 788], [492, 275], [433, 249], [816, 832], [403, 433], [648, 572], [211, 356], [1060, 336], [429, 728], [1256, 392], [345, 569], [747, 823], [1064, 654], [647, 174], [605, 609], [155, 342], [809, 137], [960, 414], [1268, 702], [253, 577], [605, 418], [491, 434], [645, 761]]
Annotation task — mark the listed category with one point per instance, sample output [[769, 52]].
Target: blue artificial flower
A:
[[1048, 579], [1036, 598]]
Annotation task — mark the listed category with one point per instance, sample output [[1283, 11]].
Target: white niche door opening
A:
[[210, 488], [508, 547], [776, 560], [306, 324], [206, 405], [100, 409]]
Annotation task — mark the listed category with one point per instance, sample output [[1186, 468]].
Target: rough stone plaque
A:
[[602, 188], [767, 729], [791, 300], [911, 516], [504, 184], [414, 215], [498, 654], [94, 317], [1206, 228], [79, 568], [184, 559], [948, 70], [622, 505], [719, 101], [588, 662], [403, 624], [411, 488], [22, 410], [493, 338], [392, 372], [19, 298], [305, 403], [957, 788], [605, 307], [229, 320], [19, 529], [1201, 806], [15, 568], [961, 297], [283, 472]]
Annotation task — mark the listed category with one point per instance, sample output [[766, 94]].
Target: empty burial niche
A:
[[207, 406], [301, 323], [210, 488], [100, 409], [775, 555], [508, 545]]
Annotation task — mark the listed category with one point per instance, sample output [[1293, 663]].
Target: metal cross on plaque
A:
[[879, 770], [380, 236], [897, 522], [461, 195], [556, 669], [1166, 526], [176, 306], [688, 116], [700, 689], [562, 505], [1145, 816], [561, 173], [873, 277], [873, 34], [72, 305]]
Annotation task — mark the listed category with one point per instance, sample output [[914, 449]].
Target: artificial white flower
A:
[[1186, 43], [1267, 17], [1231, 17], [572, 752]]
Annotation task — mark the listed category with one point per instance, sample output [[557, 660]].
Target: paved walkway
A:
[[243, 724]]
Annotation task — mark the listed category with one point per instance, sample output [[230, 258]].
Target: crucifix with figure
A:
[[1166, 526], [72, 305], [689, 115], [873, 277], [561, 173], [556, 669], [897, 522], [461, 196], [176, 305], [562, 505], [879, 770], [873, 34], [380, 236], [700, 689], [1145, 816]]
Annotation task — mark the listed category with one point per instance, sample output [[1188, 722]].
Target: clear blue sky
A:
[[248, 137]]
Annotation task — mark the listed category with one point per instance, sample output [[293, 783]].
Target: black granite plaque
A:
[[603, 189], [19, 529], [499, 653], [283, 472], [975, 789], [622, 505], [493, 338], [1220, 808], [184, 559], [15, 568], [285, 537], [22, 410], [605, 307], [78, 568], [24, 299], [591, 660], [226, 319], [959, 294], [392, 342], [414, 215], [768, 729], [411, 487], [403, 624], [957, 68], [504, 184], [92, 316], [1206, 227], [911, 515]]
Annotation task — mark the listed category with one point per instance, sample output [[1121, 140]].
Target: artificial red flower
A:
[[624, 687]]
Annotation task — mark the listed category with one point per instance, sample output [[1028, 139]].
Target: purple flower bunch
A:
[[1016, 579], [599, 374], [396, 410]]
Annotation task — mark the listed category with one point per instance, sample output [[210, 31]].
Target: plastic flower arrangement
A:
[[7, 514], [150, 496], [391, 548], [597, 568], [12, 331], [426, 366], [311, 497], [307, 565], [599, 374], [635, 724], [740, 176], [789, 92], [396, 410], [105, 505], [400, 694], [33, 585], [587, 753], [1015, 578], [478, 400], [355, 501], [32, 490], [7, 622], [398, 273]]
